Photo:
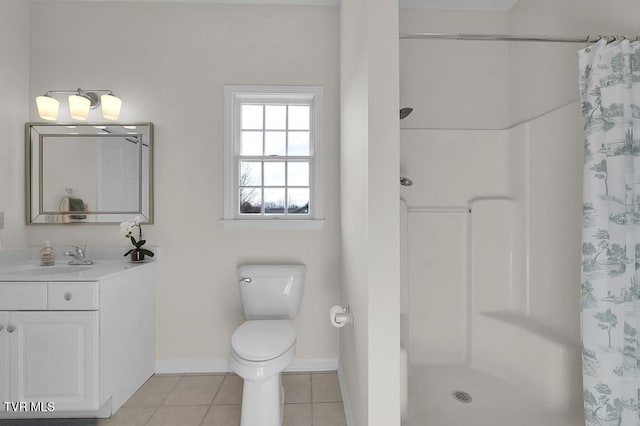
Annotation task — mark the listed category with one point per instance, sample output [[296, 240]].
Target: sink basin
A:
[[48, 270]]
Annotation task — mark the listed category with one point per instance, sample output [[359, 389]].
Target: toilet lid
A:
[[262, 340]]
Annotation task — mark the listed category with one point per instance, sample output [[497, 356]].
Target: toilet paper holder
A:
[[339, 316]]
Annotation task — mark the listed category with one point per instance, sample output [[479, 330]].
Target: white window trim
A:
[[232, 95]]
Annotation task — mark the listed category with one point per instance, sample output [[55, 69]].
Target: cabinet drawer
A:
[[23, 295], [73, 296]]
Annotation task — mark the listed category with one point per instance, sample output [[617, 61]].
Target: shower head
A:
[[404, 112], [405, 181]]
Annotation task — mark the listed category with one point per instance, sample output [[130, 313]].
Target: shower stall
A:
[[490, 245]]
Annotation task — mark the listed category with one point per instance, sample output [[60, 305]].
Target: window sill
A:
[[273, 224]]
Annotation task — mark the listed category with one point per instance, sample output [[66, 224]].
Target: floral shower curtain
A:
[[610, 90]]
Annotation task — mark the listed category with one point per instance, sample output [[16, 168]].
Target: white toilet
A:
[[265, 344]]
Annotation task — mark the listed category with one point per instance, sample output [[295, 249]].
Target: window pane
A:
[[250, 173], [251, 143], [274, 200], [275, 143], [274, 173], [298, 143], [299, 117], [298, 201], [298, 173], [250, 200], [276, 117], [251, 117]]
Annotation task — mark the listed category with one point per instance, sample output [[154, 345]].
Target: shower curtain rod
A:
[[507, 37]]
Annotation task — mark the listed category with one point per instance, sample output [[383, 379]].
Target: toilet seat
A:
[[262, 340]]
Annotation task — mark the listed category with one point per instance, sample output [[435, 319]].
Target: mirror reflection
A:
[[89, 173]]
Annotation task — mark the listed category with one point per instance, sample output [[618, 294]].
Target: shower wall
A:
[[528, 151], [451, 152], [449, 168]]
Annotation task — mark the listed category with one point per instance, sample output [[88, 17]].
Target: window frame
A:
[[234, 97]]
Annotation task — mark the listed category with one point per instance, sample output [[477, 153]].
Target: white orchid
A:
[[127, 229]]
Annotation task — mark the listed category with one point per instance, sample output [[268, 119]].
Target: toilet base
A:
[[262, 393], [263, 403]]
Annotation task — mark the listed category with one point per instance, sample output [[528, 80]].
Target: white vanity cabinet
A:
[[85, 346], [53, 357]]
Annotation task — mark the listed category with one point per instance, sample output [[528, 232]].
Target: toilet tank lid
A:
[[270, 270]]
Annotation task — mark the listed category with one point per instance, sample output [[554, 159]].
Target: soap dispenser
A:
[[47, 255]]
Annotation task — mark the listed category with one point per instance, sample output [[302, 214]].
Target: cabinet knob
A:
[[1, 327], [68, 296], [11, 328]]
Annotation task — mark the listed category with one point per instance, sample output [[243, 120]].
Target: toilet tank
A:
[[271, 291]]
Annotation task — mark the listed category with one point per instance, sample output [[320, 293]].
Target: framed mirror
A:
[[89, 173]]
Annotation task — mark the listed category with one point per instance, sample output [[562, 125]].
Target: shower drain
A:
[[462, 396]]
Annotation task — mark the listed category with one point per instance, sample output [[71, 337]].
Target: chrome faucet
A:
[[78, 256]]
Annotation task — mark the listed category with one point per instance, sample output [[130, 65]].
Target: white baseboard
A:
[[313, 364], [345, 397], [222, 365], [192, 366]]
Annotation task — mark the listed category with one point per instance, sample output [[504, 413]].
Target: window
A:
[[272, 157]]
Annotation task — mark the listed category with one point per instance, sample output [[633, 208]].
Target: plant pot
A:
[[137, 256]]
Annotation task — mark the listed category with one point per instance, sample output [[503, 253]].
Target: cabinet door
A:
[[4, 359], [54, 358]]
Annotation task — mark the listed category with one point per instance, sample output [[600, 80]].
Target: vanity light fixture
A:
[[80, 102]]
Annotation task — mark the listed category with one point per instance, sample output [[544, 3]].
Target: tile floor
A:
[[311, 399]]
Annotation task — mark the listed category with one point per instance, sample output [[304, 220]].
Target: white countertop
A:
[[24, 267]]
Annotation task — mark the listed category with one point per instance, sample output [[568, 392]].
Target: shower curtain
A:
[[610, 91]]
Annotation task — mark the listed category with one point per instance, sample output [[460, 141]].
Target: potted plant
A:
[[138, 252]]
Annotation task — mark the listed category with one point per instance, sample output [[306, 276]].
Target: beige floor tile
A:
[[223, 415], [179, 416], [329, 414], [325, 387], [231, 391], [297, 415], [129, 416], [297, 388], [186, 400], [153, 392], [194, 390]]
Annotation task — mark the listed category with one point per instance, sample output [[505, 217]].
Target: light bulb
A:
[[110, 107], [47, 107], [79, 107]]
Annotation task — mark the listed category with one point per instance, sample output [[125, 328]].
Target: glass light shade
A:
[[110, 106], [47, 107], [79, 107]]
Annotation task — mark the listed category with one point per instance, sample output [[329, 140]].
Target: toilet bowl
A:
[[261, 350]]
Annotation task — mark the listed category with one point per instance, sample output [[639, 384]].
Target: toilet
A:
[[265, 344]]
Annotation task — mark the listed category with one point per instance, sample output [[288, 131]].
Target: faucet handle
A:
[[80, 251]]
